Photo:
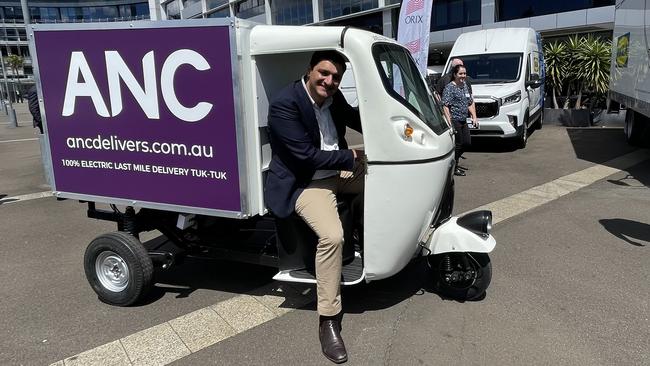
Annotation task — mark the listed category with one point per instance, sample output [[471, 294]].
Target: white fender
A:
[[451, 237]]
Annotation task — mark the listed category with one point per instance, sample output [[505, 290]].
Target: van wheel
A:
[[522, 138], [118, 268], [461, 276]]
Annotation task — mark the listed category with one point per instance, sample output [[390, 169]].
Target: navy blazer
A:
[[295, 144]]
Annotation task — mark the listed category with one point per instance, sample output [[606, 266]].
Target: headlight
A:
[[512, 98], [478, 222]]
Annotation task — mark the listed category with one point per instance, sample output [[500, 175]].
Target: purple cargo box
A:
[[142, 114]]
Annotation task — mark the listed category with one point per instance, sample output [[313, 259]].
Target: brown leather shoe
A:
[[331, 342]]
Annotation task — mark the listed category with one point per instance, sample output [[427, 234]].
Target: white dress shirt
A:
[[329, 139]]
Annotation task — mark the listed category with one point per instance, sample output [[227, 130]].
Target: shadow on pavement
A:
[[487, 144], [598, 145], [495, 144], [194, 274], [637, 177], [386, 293], [7, 200], [414, 280], [239, 278], [632, 232]]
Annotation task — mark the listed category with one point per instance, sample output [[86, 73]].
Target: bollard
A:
[[12, 117], [46, 159]]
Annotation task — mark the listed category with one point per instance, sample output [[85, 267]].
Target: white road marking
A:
[[177, 338], [20, 140], [25, 197], [167, 342]]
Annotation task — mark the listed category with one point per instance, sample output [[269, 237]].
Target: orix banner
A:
[[143, 114], [413, 30]]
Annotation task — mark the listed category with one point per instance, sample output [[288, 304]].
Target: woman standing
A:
[[457, 100]]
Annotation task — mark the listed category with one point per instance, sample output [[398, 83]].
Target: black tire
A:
[[130, 277], [462, 290], [633, 127], [522, 136]]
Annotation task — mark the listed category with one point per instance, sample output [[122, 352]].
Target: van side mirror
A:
[[534, 82]]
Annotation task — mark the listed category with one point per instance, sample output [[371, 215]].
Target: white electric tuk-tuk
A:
[[209, 201]]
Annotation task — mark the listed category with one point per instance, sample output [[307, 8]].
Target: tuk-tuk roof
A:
[[270, 39]]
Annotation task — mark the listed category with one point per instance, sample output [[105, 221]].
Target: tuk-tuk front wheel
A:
[[118, 268], [461, 276]]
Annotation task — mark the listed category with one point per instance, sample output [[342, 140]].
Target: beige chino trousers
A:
[[317, 207]]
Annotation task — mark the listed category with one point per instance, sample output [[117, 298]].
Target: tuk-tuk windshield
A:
[[403, 82]]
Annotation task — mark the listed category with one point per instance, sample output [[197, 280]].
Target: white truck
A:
[[630, 74], [506, 69]]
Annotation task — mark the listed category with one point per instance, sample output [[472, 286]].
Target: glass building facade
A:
[[449, 18], [292, 12], [78, 13], [13, 35], [249, 8], [337, 8], [448, 14], [517, 9]]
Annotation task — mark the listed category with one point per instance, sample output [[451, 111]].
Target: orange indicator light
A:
[[408, 130]]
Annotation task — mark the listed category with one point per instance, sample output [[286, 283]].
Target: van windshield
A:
[[404, 83], [493, 68]]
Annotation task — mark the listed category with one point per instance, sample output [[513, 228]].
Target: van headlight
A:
[[512, 98]]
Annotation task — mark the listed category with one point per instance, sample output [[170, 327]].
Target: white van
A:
[[506, 70]]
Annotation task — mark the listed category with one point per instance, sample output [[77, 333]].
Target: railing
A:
[[73, 20]]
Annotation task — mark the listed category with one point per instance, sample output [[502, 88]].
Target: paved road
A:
[[570, 283]]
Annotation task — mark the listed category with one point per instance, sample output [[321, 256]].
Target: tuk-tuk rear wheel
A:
[[118, 268], [461, 276]]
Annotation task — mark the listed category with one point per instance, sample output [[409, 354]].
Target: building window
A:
[[222, 13], [249, 8], [517, 9], [292, 12], [173, 10], [370, 22], [100, 12], [13, 13], [448, 14], [212, 4], [337, 8], [140, 11], [10, 34], [44, 14], [71, 14]]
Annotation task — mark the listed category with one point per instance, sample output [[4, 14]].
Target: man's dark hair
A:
[[331, 56], [456, 69]]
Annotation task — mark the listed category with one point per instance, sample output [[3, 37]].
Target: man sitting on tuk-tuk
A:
[[310, 165]]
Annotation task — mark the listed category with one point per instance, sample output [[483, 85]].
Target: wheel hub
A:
[[112, 271], [458, 273]]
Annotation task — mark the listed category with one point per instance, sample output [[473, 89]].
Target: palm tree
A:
[[574, 45], [15, 63], [595, 61], [556, 67]]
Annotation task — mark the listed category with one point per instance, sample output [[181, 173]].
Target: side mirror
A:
[[534, 82]]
